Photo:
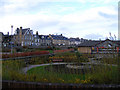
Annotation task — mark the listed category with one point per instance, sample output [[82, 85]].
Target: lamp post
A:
[[11, 37]]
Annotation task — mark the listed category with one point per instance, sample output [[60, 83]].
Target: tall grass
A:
[[97, 74]]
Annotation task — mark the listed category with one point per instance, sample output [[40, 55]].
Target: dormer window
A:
[[42, 36], [109, 45]]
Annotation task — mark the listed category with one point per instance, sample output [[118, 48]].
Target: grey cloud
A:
[[94, 36], [107, 15]]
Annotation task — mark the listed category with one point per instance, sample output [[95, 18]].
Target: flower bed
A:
[[24, 54]]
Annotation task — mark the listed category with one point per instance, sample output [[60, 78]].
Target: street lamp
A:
[[11, 37]]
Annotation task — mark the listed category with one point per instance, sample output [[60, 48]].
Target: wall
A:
[[56, 86], [84, 49]]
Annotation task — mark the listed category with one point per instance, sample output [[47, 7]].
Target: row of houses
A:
[[25, 37]]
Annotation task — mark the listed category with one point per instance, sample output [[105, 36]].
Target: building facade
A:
[[59, 40], [45, 40], [23, 37], [1, 40], [105, 46]]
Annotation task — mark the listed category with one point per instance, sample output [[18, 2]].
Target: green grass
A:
[[54, 77], [105, 75]]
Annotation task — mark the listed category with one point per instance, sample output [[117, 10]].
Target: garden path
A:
[[32, 66], [91, 61]]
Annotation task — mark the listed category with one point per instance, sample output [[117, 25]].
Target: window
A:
[[30, 43], [27, 32], [22, 43], [25, 37], [42, 36], [109, 45]]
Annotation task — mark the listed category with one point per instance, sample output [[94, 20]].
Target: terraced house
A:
[[60, 40], [75, 41], [45, 40], [24, 37], [41, 40]]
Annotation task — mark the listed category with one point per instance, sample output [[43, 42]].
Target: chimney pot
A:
[[20, 27]]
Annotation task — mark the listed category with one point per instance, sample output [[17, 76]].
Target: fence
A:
[[110, 50]]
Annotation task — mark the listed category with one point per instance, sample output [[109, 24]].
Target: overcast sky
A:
[[91, 19]]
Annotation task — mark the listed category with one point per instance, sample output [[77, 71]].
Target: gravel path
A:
[[91, 62], [32, 66]]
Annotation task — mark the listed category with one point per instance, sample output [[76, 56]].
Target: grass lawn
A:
[[104, 75]]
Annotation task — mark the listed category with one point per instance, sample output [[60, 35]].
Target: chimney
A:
[[20, 27], [7, 33], [11, 29], [36, 32], [20, 35], [20, 31]]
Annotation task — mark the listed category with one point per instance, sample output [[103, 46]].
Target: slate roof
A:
[[74, 39], [56, 37], [59, 37], [45, 37], [1, 33], [94, 43], [7, 38], [23, 30], [36, 36]]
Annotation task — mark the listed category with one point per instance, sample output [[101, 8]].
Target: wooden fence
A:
[[37, 85]]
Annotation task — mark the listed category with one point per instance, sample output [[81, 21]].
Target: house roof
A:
[[44, 37], [1, 33], [96, 42], [7, 38], [59, 37], [56, 37], [74, 39], [23, 30]]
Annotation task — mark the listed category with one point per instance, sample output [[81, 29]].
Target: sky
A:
[[89, 19]]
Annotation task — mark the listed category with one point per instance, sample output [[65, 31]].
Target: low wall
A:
[[13, 84]]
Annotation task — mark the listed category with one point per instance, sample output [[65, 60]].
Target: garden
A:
[[75, 68]]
